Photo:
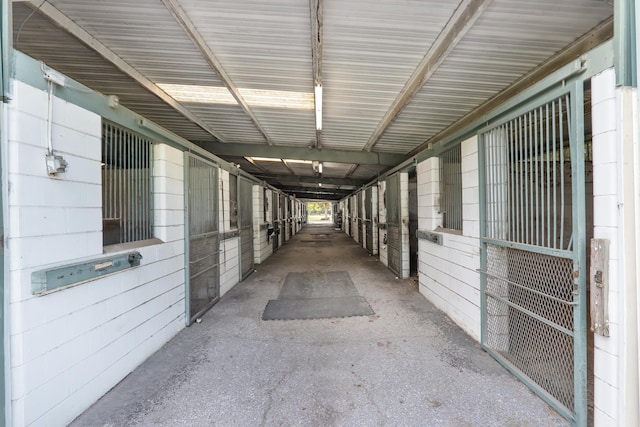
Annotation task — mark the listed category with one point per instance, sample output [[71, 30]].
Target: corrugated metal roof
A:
[[370, 51], [509, 39]]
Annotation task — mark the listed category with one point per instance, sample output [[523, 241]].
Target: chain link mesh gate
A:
[[533, 239], [245, 225], [392, 201], [203, 239]]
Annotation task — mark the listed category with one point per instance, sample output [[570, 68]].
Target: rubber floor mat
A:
[[317, 295]]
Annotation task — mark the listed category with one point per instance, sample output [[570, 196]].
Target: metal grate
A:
[[127, 197], [530, 316], [529, 178], [451, 188], [203, 238], [246, 226], [529, 282], [233, 201], [392, 201]]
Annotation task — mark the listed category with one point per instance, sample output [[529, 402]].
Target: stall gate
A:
[[360, 228], [283, 219], [202, 243], [245, 225], [533, 229], [368, 220], [394, 243], [275, 237]]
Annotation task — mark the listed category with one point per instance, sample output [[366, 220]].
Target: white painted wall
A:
[[261, 248], [448, 274], [229, 248], [71, 346], [613, 124]]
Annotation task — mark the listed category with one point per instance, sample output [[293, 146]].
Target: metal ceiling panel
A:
[[145, 35], [370, 51], [43, 40], [508, 40], [265, 46]]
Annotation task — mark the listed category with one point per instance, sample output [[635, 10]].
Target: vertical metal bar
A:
[[493, 188], [482, 199], [555, 175], [579, 245], [561, 124], [536, 182], [187, 240], [512, 170], [529, 176], [520, 183], [548, 180]]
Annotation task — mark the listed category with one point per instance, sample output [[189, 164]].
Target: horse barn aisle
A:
[[407, 364]]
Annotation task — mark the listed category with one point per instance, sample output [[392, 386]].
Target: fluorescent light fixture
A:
[[320, 167], [253, 97], [272, 159], [318, 96]]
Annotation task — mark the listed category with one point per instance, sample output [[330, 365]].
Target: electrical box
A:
[[599, 278]]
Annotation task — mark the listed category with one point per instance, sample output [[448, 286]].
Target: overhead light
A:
[[253, 97], [318, 94], [319, 184], [274, 159], [320, 167]]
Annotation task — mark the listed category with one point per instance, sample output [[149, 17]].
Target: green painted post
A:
[[625, 43], [579, 254], [6, 49], [187, 234], [482, 200]]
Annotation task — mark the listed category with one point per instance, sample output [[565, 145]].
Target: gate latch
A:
[[599, 274]]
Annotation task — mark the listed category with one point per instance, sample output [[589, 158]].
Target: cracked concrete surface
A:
[[407, 365]]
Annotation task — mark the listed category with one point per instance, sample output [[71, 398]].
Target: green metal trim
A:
[[625, 43], [187, 249], [287, 179], [559, 253], [553, 402], [482, 200], [303, 153], [6, 49], [580, 251], [73, 274]]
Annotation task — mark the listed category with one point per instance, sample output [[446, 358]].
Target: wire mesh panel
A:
[[360, 219], [275, 219], [392, 203], [127, 197], [246, 226], [203, 240], [529, 285]]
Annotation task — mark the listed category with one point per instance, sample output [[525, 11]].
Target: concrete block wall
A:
[[607, 197], [229, 248], [262, 248], [71, 346], [448, 274]]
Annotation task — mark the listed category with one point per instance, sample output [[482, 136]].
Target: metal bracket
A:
[[429, 236], [59, 277], [599, 274]]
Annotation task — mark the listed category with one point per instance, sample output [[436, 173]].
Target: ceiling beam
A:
[[192, 32], [584, 44], [460, 22], [289, 179], [303, 153], [63, 21], [315, 13]]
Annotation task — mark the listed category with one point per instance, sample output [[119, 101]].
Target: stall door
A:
[[360, 228], [534, 247], [203, 240], [394, 245], [368, 220], [245, 225], [276, 224]]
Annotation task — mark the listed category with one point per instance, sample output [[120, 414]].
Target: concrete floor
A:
[[407, 365]]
